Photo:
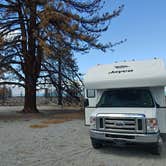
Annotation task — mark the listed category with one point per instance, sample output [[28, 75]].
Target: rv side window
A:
[[90, 93]]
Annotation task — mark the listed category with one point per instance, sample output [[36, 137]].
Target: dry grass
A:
[[54, 121], [59, 118], [71, 116], [36, 126]]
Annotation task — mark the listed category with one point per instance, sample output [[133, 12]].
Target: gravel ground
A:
[[64, 144]]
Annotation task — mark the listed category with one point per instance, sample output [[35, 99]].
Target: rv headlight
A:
[[152, 125], [92, 122]]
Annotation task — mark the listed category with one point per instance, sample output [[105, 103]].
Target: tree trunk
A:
[[59, 82], [32, 64], [30, 98]]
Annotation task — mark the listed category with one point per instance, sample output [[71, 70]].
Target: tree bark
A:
[[32, 64], [59, 81], [30, 98]]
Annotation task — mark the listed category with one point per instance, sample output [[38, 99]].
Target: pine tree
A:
[[31, 32]]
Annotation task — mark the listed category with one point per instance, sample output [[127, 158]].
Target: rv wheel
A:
[[96, 144]]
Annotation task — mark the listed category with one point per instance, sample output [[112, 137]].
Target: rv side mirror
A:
[[86, 102]]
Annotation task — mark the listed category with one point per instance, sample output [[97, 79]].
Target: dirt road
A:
[[63, 144]]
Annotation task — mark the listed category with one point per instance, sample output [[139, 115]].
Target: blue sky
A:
[[143, 23]]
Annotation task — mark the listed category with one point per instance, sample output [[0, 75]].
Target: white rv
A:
[[125, 101]]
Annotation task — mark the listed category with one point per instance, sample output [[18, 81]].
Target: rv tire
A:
[[96, 144]]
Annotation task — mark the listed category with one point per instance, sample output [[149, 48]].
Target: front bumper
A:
[[135, 138]]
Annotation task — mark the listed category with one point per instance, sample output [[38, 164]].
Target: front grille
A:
[[122, 124]]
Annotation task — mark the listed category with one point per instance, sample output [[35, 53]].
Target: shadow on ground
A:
[[132, 150]]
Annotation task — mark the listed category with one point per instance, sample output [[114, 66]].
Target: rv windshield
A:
[[126, 98]]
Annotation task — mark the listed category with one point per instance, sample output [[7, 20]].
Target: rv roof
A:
[[147, 73]]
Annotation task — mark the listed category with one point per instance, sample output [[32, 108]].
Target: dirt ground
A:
[[54, 138]]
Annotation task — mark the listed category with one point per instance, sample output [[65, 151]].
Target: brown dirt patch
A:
[[53, 121], [60, 117], [73, 115], [36, 126]]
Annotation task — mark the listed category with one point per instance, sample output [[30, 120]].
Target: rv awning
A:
[[148, 73]]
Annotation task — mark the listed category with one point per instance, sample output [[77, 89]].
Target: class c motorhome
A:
[[125, 102]]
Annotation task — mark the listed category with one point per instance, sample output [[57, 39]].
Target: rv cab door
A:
[[161, 116]]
